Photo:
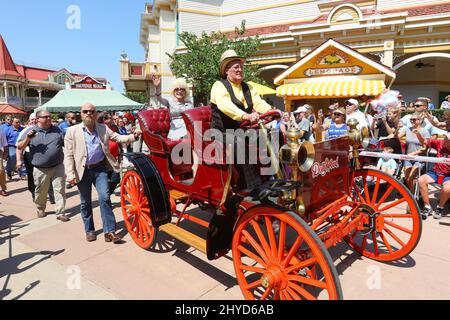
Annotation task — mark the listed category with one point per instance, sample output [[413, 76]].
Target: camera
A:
[[32, 133]]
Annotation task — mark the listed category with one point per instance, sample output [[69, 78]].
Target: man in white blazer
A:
[[87, 160]]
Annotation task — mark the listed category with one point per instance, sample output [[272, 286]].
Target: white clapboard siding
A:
[[308, 10], [236, 5], [191, 22], [392, 4], [195, 22], [203, 5]]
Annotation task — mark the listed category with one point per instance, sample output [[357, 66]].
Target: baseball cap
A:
[[352, 101], [301, 109]]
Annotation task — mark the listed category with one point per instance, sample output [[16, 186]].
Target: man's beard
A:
[[88, 121]]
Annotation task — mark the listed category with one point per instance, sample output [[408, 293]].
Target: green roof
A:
[[104, 100]]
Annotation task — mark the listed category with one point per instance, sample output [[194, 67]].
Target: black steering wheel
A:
[[265, 118]]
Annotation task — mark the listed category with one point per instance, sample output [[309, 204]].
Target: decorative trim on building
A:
[[230, 13]]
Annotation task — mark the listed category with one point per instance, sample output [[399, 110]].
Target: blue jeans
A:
[[11, 163], [99, 178]]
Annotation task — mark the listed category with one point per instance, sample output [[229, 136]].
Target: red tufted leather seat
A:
[[155, 126], [194, 117]]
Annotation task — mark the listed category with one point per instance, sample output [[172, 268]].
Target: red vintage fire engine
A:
[[319, 197]]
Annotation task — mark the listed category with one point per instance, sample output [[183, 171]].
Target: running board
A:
[[178, 195], [184, 236]]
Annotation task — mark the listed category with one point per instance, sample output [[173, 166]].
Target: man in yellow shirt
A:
[[233, 101]]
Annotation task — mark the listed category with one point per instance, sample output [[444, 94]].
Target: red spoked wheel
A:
[[136, 211], [391, 226], [276, 255]]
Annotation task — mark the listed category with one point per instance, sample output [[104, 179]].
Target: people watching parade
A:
[[440, 174], [353, 112], [387, 165], [336, 127], [69, 121], [413, 146], [446, 103], [303, 123], [3, 156], [12, 133]]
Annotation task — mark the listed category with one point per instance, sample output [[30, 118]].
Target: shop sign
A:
[[335, 57], [89, 83], [333, 71]]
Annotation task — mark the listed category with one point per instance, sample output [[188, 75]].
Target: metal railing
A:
[[34, 101]]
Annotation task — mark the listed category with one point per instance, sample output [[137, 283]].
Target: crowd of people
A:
[[414, 129], [55, 155], [84, 150]]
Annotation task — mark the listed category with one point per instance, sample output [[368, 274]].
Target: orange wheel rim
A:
[[136, 211], [276, 258], [397, 225]]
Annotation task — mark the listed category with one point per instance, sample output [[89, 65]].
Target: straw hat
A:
[[226, 58]]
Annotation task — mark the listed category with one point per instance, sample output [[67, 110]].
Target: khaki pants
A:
[[42, 179], [2, 172]]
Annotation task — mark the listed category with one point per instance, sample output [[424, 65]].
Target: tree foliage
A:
[[200, 64], [138, 97]]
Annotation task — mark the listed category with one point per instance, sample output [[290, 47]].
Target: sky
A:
[[51, 33]]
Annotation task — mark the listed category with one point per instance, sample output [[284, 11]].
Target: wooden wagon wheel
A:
[[276, 255], [136, 210], [395, 223]]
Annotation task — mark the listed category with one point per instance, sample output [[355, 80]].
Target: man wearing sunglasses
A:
[[421, 106], [351, 106], [45, 142], [88, 161]]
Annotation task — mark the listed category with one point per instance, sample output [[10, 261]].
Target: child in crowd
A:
[[388, 166]]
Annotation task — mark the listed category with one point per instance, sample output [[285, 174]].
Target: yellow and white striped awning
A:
[[332, 88]]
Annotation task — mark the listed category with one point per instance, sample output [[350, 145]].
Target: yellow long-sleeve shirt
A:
[[222, 99]]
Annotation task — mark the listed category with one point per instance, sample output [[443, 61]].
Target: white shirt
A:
[[360, 116]]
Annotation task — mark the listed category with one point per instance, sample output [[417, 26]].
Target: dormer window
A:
[[61, 79]]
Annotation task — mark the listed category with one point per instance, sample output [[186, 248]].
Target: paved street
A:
[[40, 259]]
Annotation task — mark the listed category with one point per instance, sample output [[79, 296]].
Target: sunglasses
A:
[[336, 114], [179, 89], [415, 119], [89, 111], [418, 105]]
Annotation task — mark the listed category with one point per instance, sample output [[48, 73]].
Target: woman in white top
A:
[[446, 103], [177, 103]]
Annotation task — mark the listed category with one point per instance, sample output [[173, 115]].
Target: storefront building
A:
[[332, 73], [412, 36], [27, 87]]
